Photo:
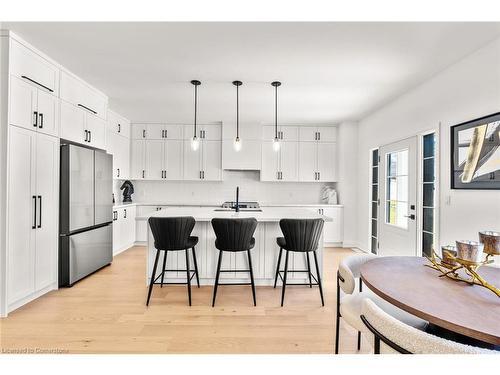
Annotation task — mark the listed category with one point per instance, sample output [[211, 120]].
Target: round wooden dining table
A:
[[470, 310]]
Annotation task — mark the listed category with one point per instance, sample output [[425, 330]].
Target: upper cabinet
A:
[[33, 68], [118, 144], [77, 92], [33, 108], [318, 133], [157, 131], [205, 163], [118, 125], [284, 133]]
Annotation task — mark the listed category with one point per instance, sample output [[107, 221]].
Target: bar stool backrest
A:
[[301, 234], [171, 233], [234, 234]]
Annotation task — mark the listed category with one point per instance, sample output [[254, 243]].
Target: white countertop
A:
[[121, 205], [268, 214]]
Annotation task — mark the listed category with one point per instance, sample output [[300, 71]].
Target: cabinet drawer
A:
[[33, 68], [81, 95]]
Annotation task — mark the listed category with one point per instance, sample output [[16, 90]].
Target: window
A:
[[374, 202], [428, 183], [396, 199]]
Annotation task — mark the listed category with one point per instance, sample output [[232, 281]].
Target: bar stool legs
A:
[[217, 278], [195, 267], [164, 266], [153, 277], [278, 267], [309, 270], [251, 277], [284, 279], [319, 279], [188, 275]]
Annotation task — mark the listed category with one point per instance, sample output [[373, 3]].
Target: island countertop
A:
[[267, 214]]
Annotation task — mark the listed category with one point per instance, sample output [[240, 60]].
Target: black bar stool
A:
[[234, 235], [173, 234], [300, 235]]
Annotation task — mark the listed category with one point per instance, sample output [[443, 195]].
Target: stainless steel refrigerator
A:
[[86, 206]]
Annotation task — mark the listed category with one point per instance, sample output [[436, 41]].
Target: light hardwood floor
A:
[[106, 313]]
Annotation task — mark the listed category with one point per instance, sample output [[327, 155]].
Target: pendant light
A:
[[276, 141], [237, 141], [195, 142]]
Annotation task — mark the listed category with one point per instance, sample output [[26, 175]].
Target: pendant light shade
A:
[[237, 140], [276, 141], [195, 142]]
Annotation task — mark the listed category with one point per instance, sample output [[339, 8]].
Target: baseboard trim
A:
[[121, 250], [23, 301]]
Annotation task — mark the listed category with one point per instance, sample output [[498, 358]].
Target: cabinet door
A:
[[289, 161], [138, 131], [333, 231], [308, 133], [289, 133], [327, 162], [72, 123], [47, 188], [174, 131], [211, 132], [137, 159], [327, 134], [22, 104], [212, 160], [173, 153], [308, 156], [47, 106], [192, 161], [123, 146], [155, 131], [97, 128], [154, 159], [21, 213], [130, 225], [117, 233], [270, 162]]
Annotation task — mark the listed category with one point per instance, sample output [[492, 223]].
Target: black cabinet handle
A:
[[90, 136], [35, 122], [87, 108], [166, 133], [34, 213], [41, 120], [319, 136], [36, 83], [118, 174], [86, 135], [143, 173], [319, 176], [143, 133], [119, 128], [40, 209], [163, 133], [125, 213]]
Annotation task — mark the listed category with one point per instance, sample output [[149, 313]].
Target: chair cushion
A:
[[192, 241], [351, 307], [281, 242]]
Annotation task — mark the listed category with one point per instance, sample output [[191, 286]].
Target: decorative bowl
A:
[[470, 251], [449, 255], [491, 242]]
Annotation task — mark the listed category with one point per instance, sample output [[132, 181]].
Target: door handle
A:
[[34, 213], [118, 174], [125, 213], [315, 136], [143, 173], [163, 133], [86, 135], [412, 216], [35, 122], [143, 133], [40, 209], [319, 136], [41, 120], [166, 133], [119, 128], [87, 108], [90, 136], [319, 176], [37, 83]]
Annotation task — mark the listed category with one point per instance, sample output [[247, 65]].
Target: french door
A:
[[398, 198]]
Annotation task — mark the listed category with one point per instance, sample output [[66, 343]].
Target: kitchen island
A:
[[264, 254]]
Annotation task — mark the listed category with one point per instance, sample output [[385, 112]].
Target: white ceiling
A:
[[331, 72]]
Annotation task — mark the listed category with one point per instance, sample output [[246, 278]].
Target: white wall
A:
[[251, 189], [347, 148], [466, 90]]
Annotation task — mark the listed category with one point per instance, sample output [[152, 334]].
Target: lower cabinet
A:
[[32, 221], [333, 231], [123, 228]]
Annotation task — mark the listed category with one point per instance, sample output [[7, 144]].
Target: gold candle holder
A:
[[449, 255], [470, 251], [490, 241]]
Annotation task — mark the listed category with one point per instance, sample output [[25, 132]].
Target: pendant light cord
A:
[[237, 112], [276, 112], [195, 106]]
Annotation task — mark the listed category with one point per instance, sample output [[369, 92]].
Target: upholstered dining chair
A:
[[390, 335], [349, 305]]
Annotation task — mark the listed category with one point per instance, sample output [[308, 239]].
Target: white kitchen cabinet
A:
[[78, 125], [204, 163], [154, 159], [327, 162], [119, 147], [279, 165], [308, 161], [33, 108], [32, 225], [124, 228], [318, 133], [138, 131], [285, 133], [164, 131], [209, 132], [30, 66], [137, 159], [118, 124], [173, 155], [77, 92], [163, 159], [333, 231]]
